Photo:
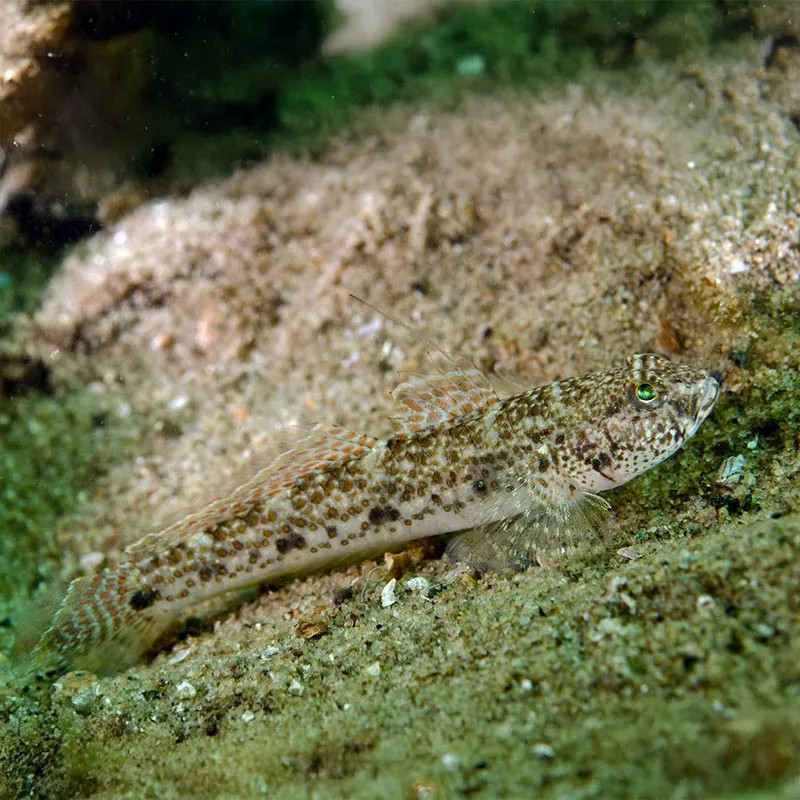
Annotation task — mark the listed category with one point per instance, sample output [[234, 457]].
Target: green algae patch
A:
[[250, 77], [684, 661], [53, 450], [23, 275], [489, 45]]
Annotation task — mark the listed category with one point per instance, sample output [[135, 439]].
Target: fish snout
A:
[[706, 397]]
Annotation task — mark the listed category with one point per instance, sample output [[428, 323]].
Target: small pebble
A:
[[83, 700], [471, 65], [178, 403], [296, 688], [628, 601], [248, 716], [91, 561], [631, 553], [450, 761], [610, 626], [311, 629], [737, 265], [544, 751], [763, 630], [419, 585], [185, 689], [704, 601], [179, 656], [373, 670], [730, 472], [162, 341]]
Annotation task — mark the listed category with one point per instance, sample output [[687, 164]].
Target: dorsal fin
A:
[[430, 403], [325, 446]]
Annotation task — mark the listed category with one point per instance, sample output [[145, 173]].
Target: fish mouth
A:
[[709, 394], [703, 401]]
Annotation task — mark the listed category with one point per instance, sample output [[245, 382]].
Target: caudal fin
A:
[[99, 626]]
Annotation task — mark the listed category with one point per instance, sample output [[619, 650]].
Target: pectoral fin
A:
[[514, 544]]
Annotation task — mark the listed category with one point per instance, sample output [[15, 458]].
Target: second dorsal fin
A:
[[430, 403], [325, 446]]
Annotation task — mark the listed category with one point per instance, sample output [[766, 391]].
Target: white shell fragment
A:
[[388, 597], [543, 751], [185, 690], [730, 472]]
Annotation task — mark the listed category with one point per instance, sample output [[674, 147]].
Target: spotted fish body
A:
[[520, 472]]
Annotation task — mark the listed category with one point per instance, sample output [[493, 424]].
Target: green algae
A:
[[52, 451], [251, 77], [526, 44], [23, 276], [689, 682]]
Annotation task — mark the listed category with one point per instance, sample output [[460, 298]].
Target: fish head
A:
[[633, 418]]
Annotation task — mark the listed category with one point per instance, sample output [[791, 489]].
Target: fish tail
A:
[[100, 625]]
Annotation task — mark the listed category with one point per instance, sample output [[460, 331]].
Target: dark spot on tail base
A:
[[142, 599]]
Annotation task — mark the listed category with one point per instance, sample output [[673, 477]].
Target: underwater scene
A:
[[400, 399]]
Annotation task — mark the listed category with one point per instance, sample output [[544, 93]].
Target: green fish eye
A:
[[645, 392]]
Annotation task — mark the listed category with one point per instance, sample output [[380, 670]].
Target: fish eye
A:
[[645, 393]]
